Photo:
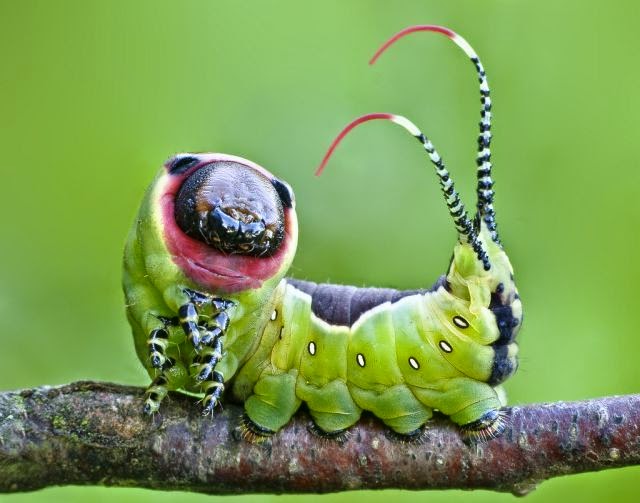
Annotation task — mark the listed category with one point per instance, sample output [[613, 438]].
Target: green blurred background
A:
[[95, 95]]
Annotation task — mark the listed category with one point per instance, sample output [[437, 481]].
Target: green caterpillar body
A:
[[410, 353], [210, 309], [339, 349]]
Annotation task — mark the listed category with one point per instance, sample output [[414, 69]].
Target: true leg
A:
[[189, 317], [158, 341], [213, 390], [212, 380], [157, 390]]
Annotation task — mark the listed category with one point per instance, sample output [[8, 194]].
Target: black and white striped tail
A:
[[485, 183], [483, 160], [456, 208], [464, 225]]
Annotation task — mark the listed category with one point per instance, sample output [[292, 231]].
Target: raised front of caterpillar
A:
[[213, 238], [209, 308]]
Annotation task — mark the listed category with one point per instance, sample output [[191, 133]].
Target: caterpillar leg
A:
[[213, 390], [340, 436], [416, 436], [216, 328], [473, 405], [205, 363], [158, 342], [204, 320], [331, 407], [490, 425], [188, 315], [253, 432], [272, 404], [204, 366], [155, 393], [157, 390], [212, 381], [397, 407], [190, 318], [172, 376]]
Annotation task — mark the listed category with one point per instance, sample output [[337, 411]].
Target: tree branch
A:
[[94, 433]]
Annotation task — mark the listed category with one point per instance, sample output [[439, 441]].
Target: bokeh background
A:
[[95, 95]]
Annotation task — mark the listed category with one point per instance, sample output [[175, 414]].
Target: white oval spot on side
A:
[[414, 363], [445, 346], [460, 322], [274, 315], [360, 359], [312, 348]]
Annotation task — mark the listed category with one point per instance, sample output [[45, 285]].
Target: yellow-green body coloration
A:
[[203, 280], [154, 286], [399, 360]]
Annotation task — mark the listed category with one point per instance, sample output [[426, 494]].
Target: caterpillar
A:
[[211, 310]]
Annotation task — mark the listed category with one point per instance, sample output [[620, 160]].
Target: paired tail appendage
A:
[[468, 229]]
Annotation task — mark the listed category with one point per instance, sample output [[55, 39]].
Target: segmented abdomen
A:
[[342, 349]]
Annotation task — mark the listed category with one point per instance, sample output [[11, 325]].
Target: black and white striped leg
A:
[[213, 390], [158, 341], [209, 344], [157, 390], [216, 327], [219, 304], [188, 315], [205, 366], [205, 363]]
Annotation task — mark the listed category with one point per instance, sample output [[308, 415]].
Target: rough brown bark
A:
[[94, 433]]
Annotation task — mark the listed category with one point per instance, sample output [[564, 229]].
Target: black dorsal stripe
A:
[[343, 305]]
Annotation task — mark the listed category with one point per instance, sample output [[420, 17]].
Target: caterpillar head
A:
[[226, 222]]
